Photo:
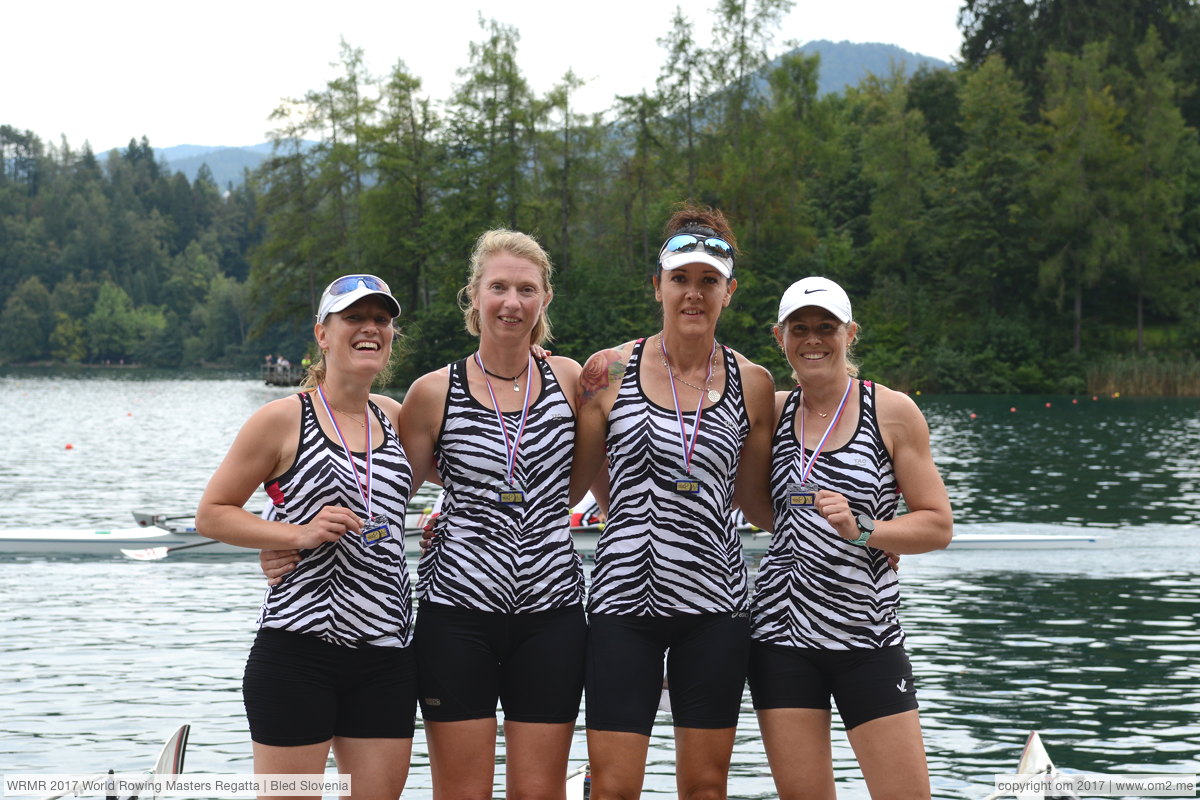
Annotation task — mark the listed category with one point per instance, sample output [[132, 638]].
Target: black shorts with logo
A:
[[865, 684], [468, 660]]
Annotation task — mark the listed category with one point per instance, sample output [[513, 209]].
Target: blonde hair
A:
[[521, 245]]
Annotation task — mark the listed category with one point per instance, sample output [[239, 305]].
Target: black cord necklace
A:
[[516, 386]]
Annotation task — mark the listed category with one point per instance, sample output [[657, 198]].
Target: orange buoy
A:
[[1047, 405], [972, 415], [1013, 410], [69, 446]]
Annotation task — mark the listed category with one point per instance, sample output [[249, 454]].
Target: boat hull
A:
[[70, 542]]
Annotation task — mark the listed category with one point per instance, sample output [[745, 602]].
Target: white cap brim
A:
[[676, 260]]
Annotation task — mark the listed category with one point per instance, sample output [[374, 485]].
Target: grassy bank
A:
[[1145, 376]]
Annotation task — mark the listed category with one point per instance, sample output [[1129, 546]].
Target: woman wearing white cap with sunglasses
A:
[[685, 423], [825, 596], [332, 665]]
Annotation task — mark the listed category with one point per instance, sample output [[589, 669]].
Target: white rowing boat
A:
[[160, 534], [72, 542], [156, 536]]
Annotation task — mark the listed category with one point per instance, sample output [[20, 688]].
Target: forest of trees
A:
[[1021, 223]]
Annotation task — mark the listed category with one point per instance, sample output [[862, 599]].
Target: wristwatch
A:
[[866, 526]]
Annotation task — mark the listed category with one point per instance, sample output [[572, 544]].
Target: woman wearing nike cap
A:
[[824, 613], [332, 666], [685, 423]]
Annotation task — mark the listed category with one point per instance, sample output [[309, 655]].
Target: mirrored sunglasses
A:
[[348, 283], [689, 242]]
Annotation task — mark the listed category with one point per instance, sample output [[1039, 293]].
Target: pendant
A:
[[510, 494], [375, 529], [713, 395], [516, 387], [686, 484], [802, 495]]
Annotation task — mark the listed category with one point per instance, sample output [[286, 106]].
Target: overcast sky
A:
[[211, 72]]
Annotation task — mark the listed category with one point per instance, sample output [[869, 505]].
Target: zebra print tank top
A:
[[486, 555], [664, 553], [344, 592], [814, 589]]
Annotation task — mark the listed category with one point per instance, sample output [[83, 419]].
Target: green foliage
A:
[[112, 326], [25, 322], [1003, 226]]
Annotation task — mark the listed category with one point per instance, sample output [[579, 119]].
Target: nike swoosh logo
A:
[[810, 291]]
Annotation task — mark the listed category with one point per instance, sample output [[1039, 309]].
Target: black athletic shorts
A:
[[865, 684], [468, 660], [300, 689], [706, 670]]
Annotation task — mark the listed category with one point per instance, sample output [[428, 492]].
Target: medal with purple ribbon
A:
[[509, 492], [686, 483], [804, 493], [376, 527]]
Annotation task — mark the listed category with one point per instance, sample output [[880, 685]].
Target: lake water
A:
[[1099, 649]]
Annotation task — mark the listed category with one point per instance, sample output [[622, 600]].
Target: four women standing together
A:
[[670, 431]]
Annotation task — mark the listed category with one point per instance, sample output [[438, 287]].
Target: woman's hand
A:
[[277, 563], [426, 538], [834, 507], [329, 525]]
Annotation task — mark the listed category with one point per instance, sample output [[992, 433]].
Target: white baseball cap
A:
[[682, 249], [349, 289], [815, 291]]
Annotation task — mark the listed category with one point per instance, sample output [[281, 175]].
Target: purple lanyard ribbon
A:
[[509, 447], [688, 447], [805, 471], [364, 489]]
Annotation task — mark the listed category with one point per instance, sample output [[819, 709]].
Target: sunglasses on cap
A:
[[348, 283], [690, 242]]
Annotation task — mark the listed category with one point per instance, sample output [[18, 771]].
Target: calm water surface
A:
[[101, 659]]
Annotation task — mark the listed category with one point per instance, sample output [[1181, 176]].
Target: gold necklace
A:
[[818, 413], [713, 394], [362, 423]]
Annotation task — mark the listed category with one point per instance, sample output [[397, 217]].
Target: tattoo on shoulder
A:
[[601, 371]]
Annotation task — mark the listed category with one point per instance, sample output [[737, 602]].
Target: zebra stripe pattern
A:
[[664, 553], [345, 592], [490, 556], [815, 589]]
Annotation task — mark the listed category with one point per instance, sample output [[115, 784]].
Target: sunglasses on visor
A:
[[689, 242], [348, 283]]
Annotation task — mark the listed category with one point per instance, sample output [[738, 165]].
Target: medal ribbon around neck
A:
[[805, 471], [688, 447], [364, 487], [509, 447]]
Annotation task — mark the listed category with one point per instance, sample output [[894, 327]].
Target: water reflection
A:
[[1098, 650], [1099, 462]]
